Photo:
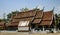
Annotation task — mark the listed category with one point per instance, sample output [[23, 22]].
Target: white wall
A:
[[23, 28], [22, 25]]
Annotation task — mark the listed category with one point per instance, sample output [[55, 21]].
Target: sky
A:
[[7, 6]]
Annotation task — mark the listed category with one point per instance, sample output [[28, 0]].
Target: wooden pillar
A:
[[43, 28], [30, 27], [36, 26], [49, 27], [4, 26]]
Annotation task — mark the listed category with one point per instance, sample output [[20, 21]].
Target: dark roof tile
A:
[[47, 16], [36, 20], [46, 23]]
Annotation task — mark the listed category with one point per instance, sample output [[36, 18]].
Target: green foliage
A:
[[24, 9], [1, 20], [9, 15], [12, 13], [57, 19], [56, 15]]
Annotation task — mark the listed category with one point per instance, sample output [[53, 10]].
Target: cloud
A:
[[40, 6], [57, 9]]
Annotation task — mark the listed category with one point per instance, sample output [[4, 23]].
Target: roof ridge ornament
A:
[[43, 8], [52, 9], [36, 7]]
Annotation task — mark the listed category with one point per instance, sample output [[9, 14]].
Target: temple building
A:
[[33, 19]]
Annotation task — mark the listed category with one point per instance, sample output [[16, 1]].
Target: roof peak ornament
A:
[[43, 9], [52, 9]]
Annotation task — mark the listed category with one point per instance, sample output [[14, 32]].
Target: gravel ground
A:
[[25, 33]]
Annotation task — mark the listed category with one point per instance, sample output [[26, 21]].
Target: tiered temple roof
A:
[[33, 16]]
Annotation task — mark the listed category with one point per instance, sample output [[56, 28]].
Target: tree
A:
[[56, 19], [24, 9], [10, 14], [1, 20], [14, 12]]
